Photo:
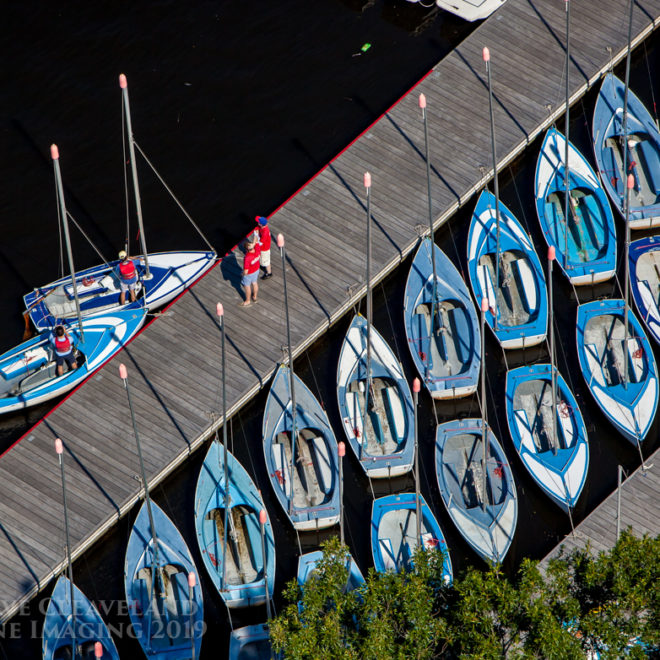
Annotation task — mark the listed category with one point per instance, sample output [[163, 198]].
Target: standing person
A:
[[128, 277], [264, 241], [61, 340], [250, 281]]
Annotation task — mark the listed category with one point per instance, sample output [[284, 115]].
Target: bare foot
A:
[[245, 303]]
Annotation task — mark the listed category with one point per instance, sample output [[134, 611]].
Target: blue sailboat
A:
[[99, 287], [618, 366], [59, 632], [302, 465], [307, 564], [167, 614], [477, 486], [251, 643], [644, 261], [641, 141], [375, 403], [28, 373], [441, 325], [394, 533], [507, 272], [228, 531], [586, 249], [550, 436]]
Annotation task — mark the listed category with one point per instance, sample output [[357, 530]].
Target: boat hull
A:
[[386, 447], [556, 458], [629, 402], [443, 335], [489, 528], [518, 306], [644, 261]]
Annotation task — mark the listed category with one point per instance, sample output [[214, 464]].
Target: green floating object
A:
[[365, 47]]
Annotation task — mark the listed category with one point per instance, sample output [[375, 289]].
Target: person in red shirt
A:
[[250, 281], [264, 241], [128, 277]]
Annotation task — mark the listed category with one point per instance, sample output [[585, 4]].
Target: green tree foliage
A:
[[583, 606]]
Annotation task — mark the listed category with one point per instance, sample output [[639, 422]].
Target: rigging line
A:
[[648, 68], [59, 229], [389, 316], [520, 205], [247, 442], [160, 178], [87, 238], [125, 163], [316, 384]]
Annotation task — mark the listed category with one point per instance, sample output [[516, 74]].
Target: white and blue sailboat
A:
[[586, 242], [161, 276], [553, 446], [308, 562], [375, 403], [618, 365], [300, 450], [251, 643], [441, 325], [505, 269], [625, 136], [394, 533], [228, 531]]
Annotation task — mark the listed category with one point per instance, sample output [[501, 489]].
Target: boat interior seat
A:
[[460, 331], [321, 459], [46, 373], [595, 364], [648, 162], [92, 288], [650, 297], [422, 319], [524, 430], [281, 468], [526, 283], [486, 282], [394, 410], [635, 354], [32, 360], [354, 421], [387, 553]]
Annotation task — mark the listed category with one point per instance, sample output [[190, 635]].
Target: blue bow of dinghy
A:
[[57, 636]]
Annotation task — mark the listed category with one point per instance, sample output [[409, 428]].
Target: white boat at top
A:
[[470, 10]]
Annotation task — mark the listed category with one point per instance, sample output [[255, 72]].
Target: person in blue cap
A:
[[264, 241]]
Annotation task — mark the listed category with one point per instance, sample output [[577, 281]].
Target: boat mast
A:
[[55, 155], [155, 566], [630, 183], [262, 526], [367, 185], [496, 188], [294, 430], [555, 442], [59, 449], [567, 192], [624, 149], [136, 187], [484, 421], [422, 105], [221, 317], [418, 505], [192, 582]]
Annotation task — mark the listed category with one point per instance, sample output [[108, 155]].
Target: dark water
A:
[[238, 105]]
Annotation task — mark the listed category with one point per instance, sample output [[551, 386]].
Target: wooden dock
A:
[[633, 506], [174, 364]]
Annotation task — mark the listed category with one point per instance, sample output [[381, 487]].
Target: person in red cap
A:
[[264, 241], [250, 281]]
